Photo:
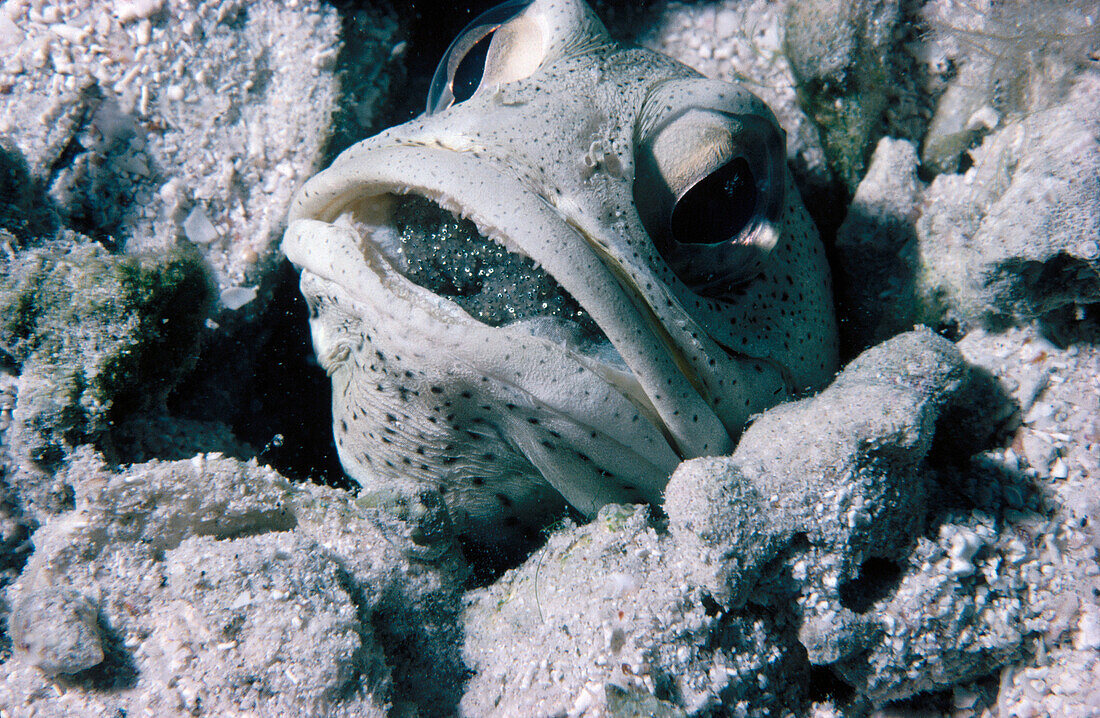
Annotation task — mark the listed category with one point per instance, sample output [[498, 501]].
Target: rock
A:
[[54, 629], [989, 63], [134, 122], [98, 337], [230, 589], [845, 486], [842, 471], [939, 626], [1057, 578], [624, 703], [794, 551], [24, 213], [603, 617], [1063, 685], [1015, 237], [240, 602], [963, 117], [717, 513], [876, 248], [848, 72]]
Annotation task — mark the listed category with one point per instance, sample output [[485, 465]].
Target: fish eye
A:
[[500, 45], [709, 186], [717, 207]]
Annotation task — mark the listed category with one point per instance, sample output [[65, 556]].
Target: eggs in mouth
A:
[[496, 285]]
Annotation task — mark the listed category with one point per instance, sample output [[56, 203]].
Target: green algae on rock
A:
[[844, 61], [98, 336]]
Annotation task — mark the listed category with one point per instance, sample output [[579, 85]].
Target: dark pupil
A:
[[716, 209], [470, 70]]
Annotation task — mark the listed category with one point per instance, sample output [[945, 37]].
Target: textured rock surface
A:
[[609, 607], [154, 121], [96, 336], [794, 551], [57, 631], [1012, 239], [1016, 236], [990, 61], [1043, 491], [1002, 572], [841, 488], [221, 587], [849, 74], [841, 470]]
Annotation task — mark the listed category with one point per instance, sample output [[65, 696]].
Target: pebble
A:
[[964, 544], [1031, 387], [56, 630], [725, 23], [1037, 449], [198, 227], [1088, 630], [236, 297], [137, 9]]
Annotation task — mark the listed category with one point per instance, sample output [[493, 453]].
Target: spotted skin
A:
[[508, 425]]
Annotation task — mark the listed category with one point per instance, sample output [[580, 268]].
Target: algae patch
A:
[[98, 336]]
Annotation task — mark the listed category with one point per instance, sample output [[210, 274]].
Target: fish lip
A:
[[327, 266], [399, 287]]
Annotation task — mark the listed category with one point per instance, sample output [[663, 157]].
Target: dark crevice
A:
[[878, 578], [825, 685], [261, 378], [422, 644]]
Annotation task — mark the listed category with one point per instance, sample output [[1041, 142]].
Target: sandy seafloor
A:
[[176, 537]]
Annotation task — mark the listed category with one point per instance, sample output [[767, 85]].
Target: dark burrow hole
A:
[[924, 704], [264, 382], [488, 562], [826, 685], [1072, 324], [289, 396], [878, 577]]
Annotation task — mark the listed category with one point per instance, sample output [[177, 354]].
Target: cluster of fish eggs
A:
[[450, 257]]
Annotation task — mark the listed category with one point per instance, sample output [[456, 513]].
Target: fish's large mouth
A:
[[436, 238], [478, 269]]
